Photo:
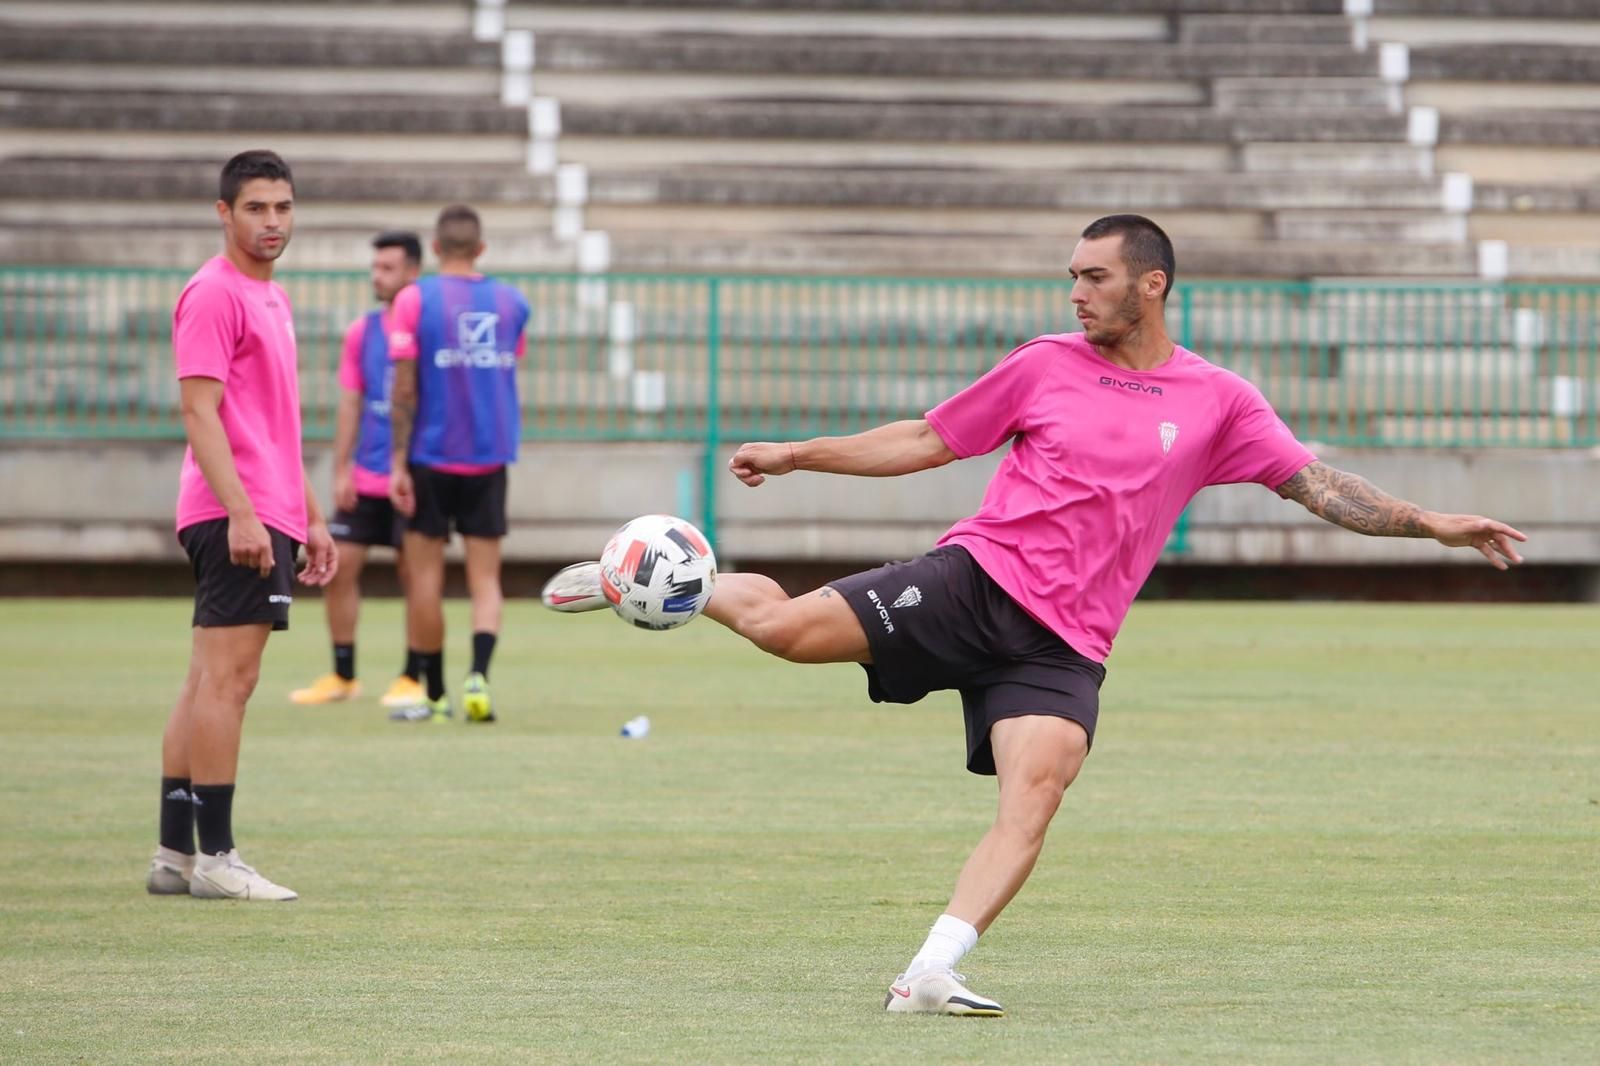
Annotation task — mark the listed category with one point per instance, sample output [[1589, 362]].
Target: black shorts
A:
[[476, 503], [940, 622], [373, 522], [226, 594]]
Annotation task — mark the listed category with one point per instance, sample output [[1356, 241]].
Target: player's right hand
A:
[[403, 492], [753, 462], [249, 544], [344, 489]]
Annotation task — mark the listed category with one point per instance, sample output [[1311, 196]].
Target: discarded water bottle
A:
[[636, 728]]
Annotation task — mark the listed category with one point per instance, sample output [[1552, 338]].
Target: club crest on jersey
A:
[[1169, 433]]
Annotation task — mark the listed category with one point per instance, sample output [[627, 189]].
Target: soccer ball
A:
[[658, 572]]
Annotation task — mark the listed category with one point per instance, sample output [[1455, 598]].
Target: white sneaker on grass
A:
[[938, 992], [575, 589], [170, 872], [227, 876]]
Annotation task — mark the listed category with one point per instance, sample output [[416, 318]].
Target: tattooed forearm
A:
[[402, 408], [1354, 503]]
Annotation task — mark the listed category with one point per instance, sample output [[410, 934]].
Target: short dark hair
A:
[[458, 231], [1145, 245], [403, 239], [256, 163]]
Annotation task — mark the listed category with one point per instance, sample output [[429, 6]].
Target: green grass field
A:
[[1308, 833]]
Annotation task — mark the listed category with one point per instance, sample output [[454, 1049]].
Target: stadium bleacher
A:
[[1275, 138]]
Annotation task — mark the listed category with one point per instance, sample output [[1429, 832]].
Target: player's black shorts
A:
[[940, 622], [476, 503], [373, 522], [226, 594]]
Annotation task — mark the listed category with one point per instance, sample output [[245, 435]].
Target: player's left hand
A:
[[322, 557], [1492, 539], [754, 463]]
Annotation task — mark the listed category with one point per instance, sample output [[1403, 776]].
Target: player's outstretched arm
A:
[[1355, 503], [888, 451]]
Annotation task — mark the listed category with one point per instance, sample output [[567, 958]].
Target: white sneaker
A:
[[575, 589], [938, 992], [228, 877], [170, 872]]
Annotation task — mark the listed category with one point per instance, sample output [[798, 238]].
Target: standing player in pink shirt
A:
[[1112, 431], [364, 517], [244, 509]]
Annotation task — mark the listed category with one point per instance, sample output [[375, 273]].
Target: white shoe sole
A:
[[163, 880], [943, 997], [574, 589]]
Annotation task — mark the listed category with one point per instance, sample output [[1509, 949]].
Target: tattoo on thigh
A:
[[825, 593]]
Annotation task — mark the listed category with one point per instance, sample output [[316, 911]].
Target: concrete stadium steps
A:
[[346, 115], [1015, 256], [914, 187], [190, 182], [1473, 97], [960, 59], [1244, 94], [973, 122], [691, 87], [1325, 30], [1535, 128], [440, 16], [1383, 225], [1503, 62], [273, 43], [1488, 9], [1523, 198], [54, 243], [985, 7], [115, 77], [1071, 22], [393, 128], [1437, 31]]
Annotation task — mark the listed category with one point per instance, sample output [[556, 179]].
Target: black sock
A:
[[213, 817], [177, 815], [413, 668], [482, 649], [432, 664], [344, 661]]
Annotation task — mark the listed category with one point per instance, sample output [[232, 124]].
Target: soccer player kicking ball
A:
[[1112, 431], [244, 508], [365, 517]]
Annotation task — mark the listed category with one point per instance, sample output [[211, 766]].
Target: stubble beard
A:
[[1126, 327]]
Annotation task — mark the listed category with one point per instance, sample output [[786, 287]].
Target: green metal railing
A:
[[85, 353]]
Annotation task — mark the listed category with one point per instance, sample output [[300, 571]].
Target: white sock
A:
[[949, 939]]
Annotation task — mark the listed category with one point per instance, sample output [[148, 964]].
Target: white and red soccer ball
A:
[[658, 572]]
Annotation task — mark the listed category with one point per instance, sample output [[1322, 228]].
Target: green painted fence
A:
[[85, 353]]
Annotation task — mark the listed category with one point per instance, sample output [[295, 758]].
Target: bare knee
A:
[[1030, 800], [233, 683]]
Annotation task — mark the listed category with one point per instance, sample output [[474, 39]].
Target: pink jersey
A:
[[351, 379], [404, 316], [240, 331], [1102, 462]]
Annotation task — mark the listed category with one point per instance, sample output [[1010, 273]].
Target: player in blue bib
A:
[[455, 338]]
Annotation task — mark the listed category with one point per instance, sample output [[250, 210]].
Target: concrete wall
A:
[[108, 502]]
